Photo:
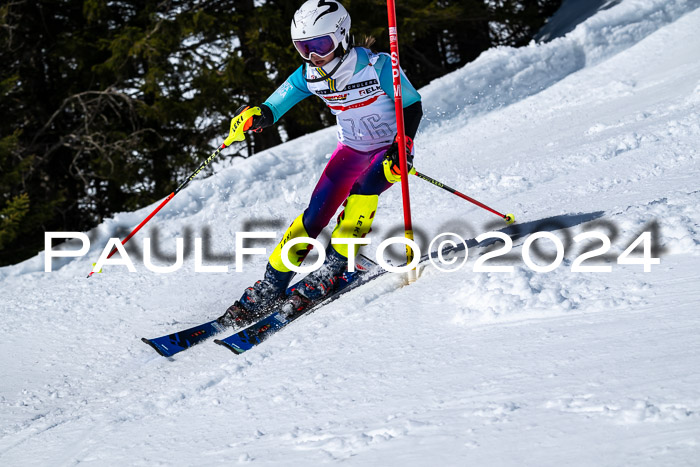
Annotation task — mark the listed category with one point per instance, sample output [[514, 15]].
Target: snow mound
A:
[[503, 76]]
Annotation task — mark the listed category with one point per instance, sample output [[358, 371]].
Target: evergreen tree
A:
[[440, 36]]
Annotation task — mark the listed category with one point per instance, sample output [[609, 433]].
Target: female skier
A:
[[356, 84]]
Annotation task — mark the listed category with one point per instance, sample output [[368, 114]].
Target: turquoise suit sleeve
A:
[[289, 94], [386, 81]]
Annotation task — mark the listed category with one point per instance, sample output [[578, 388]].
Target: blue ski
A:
[[171, 344]]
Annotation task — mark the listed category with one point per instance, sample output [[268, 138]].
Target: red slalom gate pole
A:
[[400, 134]]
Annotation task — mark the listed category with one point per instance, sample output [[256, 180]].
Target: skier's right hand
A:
[[392, 165], [256, 123]]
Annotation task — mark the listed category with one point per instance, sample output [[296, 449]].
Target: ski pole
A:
[[236, 133], [509, 218]]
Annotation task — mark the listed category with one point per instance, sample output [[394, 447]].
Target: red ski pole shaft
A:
[[507, 217], [138, 227], [239, 124], [166, 200]]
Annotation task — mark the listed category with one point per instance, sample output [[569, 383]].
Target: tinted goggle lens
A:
[[321, 46]]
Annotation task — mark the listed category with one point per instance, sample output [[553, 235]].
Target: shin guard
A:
[[297, 253], [355, 221]]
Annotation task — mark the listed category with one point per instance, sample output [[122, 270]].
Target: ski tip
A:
[[155, 347], [230, 347]]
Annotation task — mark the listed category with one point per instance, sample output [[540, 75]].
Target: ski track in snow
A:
[[459, 368]]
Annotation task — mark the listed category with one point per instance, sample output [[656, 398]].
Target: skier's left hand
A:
[[256, 123], [392, 167]]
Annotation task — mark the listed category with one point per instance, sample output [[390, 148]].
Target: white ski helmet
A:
[[320, 27]]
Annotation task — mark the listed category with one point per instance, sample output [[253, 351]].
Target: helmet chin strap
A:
[[332, 72]]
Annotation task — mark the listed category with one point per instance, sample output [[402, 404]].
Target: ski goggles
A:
[[321, 46]]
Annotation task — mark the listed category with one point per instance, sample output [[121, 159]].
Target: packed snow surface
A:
[[597, 131]]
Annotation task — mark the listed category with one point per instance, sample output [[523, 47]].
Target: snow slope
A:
[[598, 129]]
